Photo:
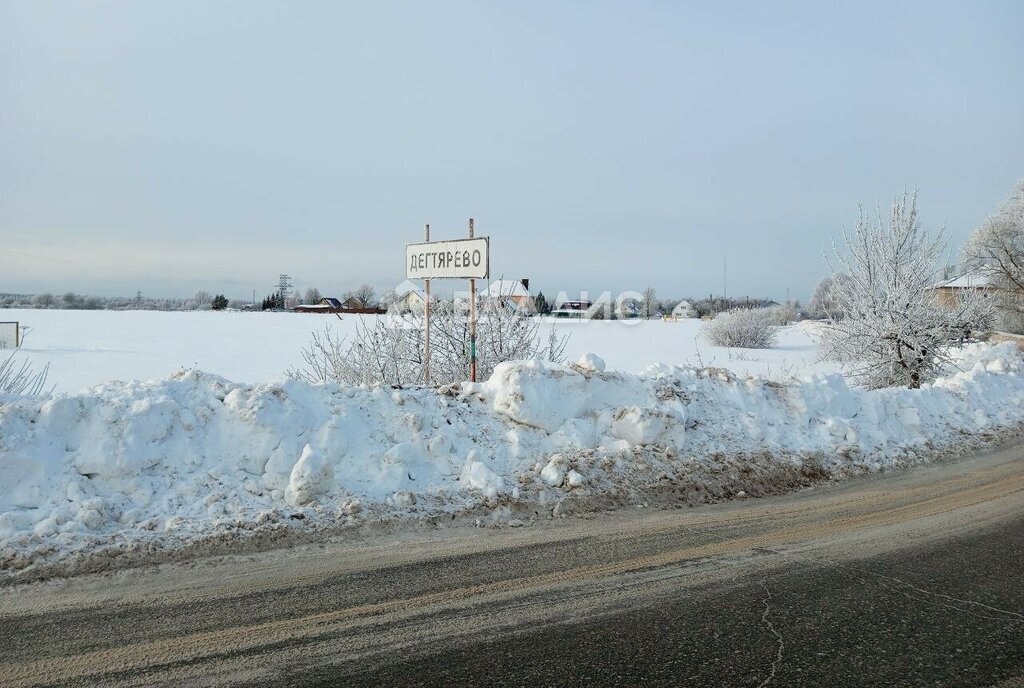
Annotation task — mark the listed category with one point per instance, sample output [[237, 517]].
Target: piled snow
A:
[[312, 475], [162, 464]]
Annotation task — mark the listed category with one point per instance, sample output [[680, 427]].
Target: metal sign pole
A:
[[468, 259], [472, 319], [426, 319]]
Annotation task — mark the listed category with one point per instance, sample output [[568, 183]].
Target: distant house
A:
[[329, 304], [352, 304], [408, 296], [949, 292], [684, 309], [515, 292], [628, 309], [573, 309], [325, 305]]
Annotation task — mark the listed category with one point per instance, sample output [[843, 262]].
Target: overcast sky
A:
[[177, 146]]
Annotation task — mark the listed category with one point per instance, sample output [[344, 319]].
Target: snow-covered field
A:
[[86, 348], [236, 455]]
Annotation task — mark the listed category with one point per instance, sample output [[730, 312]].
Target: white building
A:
[[516, 292], [950, 292], [408, 296], [684, 309]]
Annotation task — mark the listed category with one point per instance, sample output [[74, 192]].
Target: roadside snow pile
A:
[[133, 468]]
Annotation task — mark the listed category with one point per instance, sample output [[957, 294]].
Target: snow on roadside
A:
[[139, 467]]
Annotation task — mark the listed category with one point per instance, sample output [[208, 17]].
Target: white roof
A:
[[506, 288], [406, 288], [976, 279]]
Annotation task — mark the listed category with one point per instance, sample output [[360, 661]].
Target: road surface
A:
[[906, 579]]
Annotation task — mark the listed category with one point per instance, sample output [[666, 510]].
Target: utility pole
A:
[[284, 286]]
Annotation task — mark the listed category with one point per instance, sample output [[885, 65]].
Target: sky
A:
[[173, 147]]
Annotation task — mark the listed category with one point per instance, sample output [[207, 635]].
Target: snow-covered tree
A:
[[823, 303], [312, 296], [649, 302], [895, 331], [364, 295], [996, 249], [202, 300], [43, 300], [781, 315]]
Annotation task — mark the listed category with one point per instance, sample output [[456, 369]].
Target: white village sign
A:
[[456, 259]]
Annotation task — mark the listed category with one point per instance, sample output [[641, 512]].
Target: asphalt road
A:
[[907, 579]]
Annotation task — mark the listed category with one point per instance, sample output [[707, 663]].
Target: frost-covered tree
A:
[[43, 300], [649, 302], [364, 295], [312, 296], [996, 249], [823, 303], [202, 300], [895, 332], [781, 315], [387, 300]]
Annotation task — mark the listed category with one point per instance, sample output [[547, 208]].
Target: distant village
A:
[[513, 294]]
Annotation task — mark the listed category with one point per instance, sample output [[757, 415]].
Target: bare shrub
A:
[[389, 350], [746, 328], [23, 378]]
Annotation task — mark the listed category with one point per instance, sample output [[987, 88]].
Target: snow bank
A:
[[162, 464]]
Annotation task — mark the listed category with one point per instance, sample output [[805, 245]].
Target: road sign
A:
[[456, 259]]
